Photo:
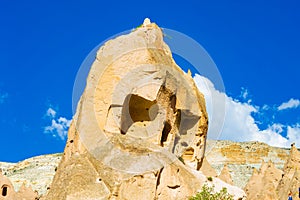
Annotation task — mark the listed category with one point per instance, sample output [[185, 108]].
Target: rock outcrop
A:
[[263, 183], [225, 175], [38, 172], [290, 181], [138, 121], [7, 191], [207, 169], [271, 183], [242, 157]]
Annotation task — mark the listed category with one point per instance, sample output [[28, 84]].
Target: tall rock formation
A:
[[263, 183], [225, 175], [290, 181], [207, 169], [138, 114]]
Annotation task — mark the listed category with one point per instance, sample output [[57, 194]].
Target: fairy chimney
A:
[[139, 120], [225, 175]]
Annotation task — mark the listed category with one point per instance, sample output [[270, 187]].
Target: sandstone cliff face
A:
[[241, 158], [139, 113]]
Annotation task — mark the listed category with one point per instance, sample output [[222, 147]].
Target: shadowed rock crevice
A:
[[137, 109]]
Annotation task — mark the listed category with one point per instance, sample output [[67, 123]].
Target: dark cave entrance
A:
[[137, 109]]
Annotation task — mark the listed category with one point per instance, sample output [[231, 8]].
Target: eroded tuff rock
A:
[[7, 191], [139, 113], [271, 183], [36, 172], [207, 169], [263, 183], [290, 181], [242, 157], [225, 175]]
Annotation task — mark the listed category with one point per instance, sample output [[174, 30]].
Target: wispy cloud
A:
[[292, 103], [239, 123], [59, 125], [51, 113], [3, 97], [245, 94]]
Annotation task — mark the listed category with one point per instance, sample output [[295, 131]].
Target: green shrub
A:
[[207, 194], [209, 178]]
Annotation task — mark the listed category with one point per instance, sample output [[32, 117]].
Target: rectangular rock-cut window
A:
[[4, 191]]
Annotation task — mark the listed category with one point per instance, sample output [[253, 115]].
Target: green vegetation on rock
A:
[[207, 194]]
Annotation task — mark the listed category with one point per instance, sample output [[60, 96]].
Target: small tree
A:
[[207, 194]]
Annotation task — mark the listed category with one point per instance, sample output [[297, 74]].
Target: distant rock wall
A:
[[36, 172], [242, 157]]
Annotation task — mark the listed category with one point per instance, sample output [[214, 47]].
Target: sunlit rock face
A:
[[140, 127], [7, 191]]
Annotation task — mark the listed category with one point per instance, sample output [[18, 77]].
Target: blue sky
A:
[[254, 44]]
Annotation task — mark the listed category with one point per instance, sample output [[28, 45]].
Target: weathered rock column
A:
[[138, 121]]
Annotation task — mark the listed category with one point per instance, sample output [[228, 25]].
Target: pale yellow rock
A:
[[290, 181], [263, 184], [146, 22], [207, 170], [225, 175], [241, 157], [26, 193], [138, 114], [7, 191]]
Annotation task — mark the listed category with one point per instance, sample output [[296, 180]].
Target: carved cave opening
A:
[[4, 191], [137, 109]]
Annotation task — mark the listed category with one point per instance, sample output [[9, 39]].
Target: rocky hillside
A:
[[36, 172], [241, 159]]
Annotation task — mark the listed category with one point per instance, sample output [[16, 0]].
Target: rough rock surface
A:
[[263, 183], [225, 175], [290, 181], [7, 191], [207, 169], [242, 157], [36, 172], [138, 114], [272, 183]]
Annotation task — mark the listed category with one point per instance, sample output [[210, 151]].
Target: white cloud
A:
[[244, 93], [239, 124], [51, 113], [59, 126], [292, 103], [3, 97], [293, 132]]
